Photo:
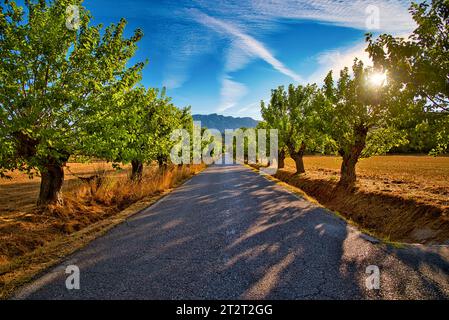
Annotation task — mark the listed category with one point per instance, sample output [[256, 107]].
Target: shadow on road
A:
[[231, 234]]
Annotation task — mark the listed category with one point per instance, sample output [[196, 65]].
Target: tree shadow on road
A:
[[231, 234]]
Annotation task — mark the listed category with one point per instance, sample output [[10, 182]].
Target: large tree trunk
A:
[[281, 159], [52, 171], [348, 175], [298, 156], [52, 178], [299, 164], [137, 170]]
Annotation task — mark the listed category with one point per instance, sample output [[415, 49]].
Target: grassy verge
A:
[[35, 240], [390, 216]]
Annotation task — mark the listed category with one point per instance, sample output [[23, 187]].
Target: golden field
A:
[[421, 178], [398, 198]]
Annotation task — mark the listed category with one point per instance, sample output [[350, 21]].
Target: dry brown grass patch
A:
[[28, 231]]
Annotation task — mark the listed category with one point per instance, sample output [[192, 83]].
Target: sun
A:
[[378, 79]]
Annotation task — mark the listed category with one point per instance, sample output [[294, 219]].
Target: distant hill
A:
[[219, 122]]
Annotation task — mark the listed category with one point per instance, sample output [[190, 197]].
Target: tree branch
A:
[[444, 108]]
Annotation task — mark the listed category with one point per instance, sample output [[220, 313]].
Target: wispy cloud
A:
[[243, 48], [265, 16], [249, 107], [231, 92], [336, 60], [393, 14], [237, 57], [176, 74], [183, 45], [249, 46]]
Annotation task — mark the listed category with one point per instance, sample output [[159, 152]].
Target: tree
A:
[[141, 142], [167, 118], [275, 117], [136, 129], [364, 115], [156, 119], [305, 109], [297, 115], [421, 62], [145, 124], [56, 83]]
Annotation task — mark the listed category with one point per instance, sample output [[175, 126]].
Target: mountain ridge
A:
[[221, 123]]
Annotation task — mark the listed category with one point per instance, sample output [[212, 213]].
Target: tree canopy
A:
[[421, 61], [71, 90], [364, 116]]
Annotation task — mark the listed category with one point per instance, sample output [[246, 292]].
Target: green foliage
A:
[[361, 110], [166, 119], [56, 84], [298, 115], [380, 141], [442, 137], [421, 63], [305, 118], [129, 126], [276, 117], [422, 130], [139, 127]]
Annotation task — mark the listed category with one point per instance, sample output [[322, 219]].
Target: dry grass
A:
[[31, 239], [399, 198], [20, 193], [421, 178]]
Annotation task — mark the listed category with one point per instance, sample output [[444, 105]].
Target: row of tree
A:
[[73, 91], [370, 109]]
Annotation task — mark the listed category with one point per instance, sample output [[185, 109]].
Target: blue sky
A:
[[225, 56]]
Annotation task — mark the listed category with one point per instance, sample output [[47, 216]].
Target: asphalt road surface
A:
[[229, 233]]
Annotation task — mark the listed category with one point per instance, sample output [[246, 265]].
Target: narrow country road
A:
[[229, 233]]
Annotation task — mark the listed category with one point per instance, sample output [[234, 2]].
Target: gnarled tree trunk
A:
[[52, 179], [348, 175], [298, 156], [51, 171], [137, 170]]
